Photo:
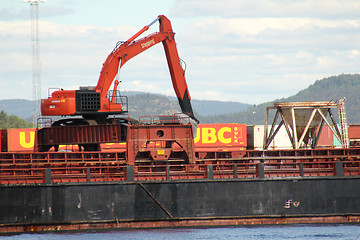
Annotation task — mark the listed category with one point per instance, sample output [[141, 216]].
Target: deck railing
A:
[[30, 168]]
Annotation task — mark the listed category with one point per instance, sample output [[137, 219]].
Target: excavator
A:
[[96, 104]]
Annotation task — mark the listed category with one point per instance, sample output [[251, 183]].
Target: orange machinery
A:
[[98, 103]]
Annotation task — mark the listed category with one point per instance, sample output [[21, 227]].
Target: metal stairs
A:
[[343, 122]]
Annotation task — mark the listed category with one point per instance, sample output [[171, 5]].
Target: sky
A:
[[248, 51]]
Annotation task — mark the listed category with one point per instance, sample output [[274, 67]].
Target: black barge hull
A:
[[178, 203]]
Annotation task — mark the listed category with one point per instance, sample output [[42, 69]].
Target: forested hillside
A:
[[327, 89], [146, 104], [19, 107], [12, 121], [140, 104]]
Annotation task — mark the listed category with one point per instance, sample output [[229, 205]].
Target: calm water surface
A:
[[227, 233]]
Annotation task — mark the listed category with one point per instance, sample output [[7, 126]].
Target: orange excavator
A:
[[96, 104]]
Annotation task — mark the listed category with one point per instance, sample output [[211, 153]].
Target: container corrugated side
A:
[[354, 135], [354, 131], [20, 139], [255, 135], [326, 138]]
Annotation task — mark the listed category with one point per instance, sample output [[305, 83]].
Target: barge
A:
[[160, 177], [55, 191]]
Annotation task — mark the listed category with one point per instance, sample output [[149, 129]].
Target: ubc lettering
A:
[[24, 143], [209, 135], [221, 135]]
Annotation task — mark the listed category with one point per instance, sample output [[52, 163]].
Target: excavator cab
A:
[[85, 102]]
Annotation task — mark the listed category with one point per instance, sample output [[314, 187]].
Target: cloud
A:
[[55, 11], [270, 52], [70, 55], [265, 9], [265, 30], [11, 14], [233, 50]]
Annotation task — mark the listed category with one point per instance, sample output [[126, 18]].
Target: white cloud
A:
[[353, 54], [250, 51], [269, 8], [10, 13], [280, 56]]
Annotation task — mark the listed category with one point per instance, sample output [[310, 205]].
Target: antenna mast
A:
[[35, 42]]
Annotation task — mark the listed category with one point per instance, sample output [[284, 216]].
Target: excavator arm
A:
[[176, 71], [63, 102]]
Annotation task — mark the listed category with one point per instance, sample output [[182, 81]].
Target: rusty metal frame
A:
[[175, 135], [291, 128]]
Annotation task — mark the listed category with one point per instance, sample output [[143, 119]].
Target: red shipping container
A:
[[326, 138], [354, 135], [20, 139], [3, 140], [354, 131], [220, 135], [23, 139]]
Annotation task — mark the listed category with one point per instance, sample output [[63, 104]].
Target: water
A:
[[306, 232]]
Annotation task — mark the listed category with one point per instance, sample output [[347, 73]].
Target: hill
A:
[[19, 107], [331, 88], [140, 104], [12, 121], [147, 104], [210, 108]]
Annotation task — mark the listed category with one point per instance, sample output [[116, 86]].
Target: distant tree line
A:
[[146, 104], [327, 89], [12, 121]]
